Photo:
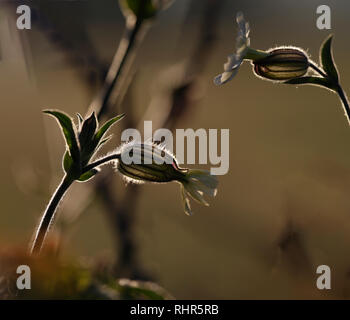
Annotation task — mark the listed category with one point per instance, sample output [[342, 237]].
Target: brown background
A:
[[283, 208]]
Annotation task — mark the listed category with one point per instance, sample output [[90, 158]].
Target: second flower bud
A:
[[282, 64]]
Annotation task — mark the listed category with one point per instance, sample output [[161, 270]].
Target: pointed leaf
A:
[[327, 61], [101, 132], [317, 81], [136, 289], [66, 124], [88, 175], [80, 120], [88, 130], [67, 162], [103, 141]]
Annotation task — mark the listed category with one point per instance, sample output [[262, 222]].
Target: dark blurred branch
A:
[[77, 47], [121, 216], [121, 212], [126, 51], [292, 250], [180, 101], [180, 92]]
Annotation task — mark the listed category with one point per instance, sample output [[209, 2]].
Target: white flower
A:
[[235, 60], [148, 166], [196, 184]]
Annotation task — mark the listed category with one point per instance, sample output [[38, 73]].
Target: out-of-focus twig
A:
[[121, 212], [292, 251], [173, 100], [78, 48], [175, 96], [134, 33]]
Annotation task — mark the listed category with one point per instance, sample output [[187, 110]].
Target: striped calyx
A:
[[282, 64], [146, 162], [149, 163]]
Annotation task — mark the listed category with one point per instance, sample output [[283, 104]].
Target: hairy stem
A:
[[49, 214], [100, 104], [345, 102], [339, 90], [101, 161], [318, 70]]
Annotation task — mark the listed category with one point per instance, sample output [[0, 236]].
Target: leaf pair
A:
[[331, 78], [81, 143]]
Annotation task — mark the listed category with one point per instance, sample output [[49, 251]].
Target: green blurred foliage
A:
[[53, 278]]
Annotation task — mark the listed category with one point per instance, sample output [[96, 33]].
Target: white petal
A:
[[247, 29], [196, 194], [242, 40], [235, 60], [186, 202], [241, 23], [231, 63], [225, 77]]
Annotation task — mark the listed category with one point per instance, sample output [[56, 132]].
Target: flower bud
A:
[[282, 64], [86, 134], [148, 163], [143, 9], [140, 162]]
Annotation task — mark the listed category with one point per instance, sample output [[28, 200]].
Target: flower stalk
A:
[[285, 64], [49, 214], [58, 195], [102, 161], [83, 143], [345, 101], [337, 88], [154, 164]]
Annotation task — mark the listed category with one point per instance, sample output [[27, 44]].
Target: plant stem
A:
[[318, 70], [102, 102], [101, 161], [49, 214], [345, 101], [101, 105], [338, 89]]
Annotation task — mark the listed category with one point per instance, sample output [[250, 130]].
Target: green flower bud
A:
[[143, 9], [144, 163], [282, 64], [140, 163], [86, 134]]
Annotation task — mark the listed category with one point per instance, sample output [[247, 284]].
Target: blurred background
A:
[[283, 208]]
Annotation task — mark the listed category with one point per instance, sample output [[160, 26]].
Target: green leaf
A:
[[88, 130], [80, 120], [316, 81], [90, 148], [327, 61], [136, 289], [66, 124], [67, 162], [103, 141], [88, 175], [101, 132]]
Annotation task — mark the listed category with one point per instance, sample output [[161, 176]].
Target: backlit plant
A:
[[82, 143], [285, 64]]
